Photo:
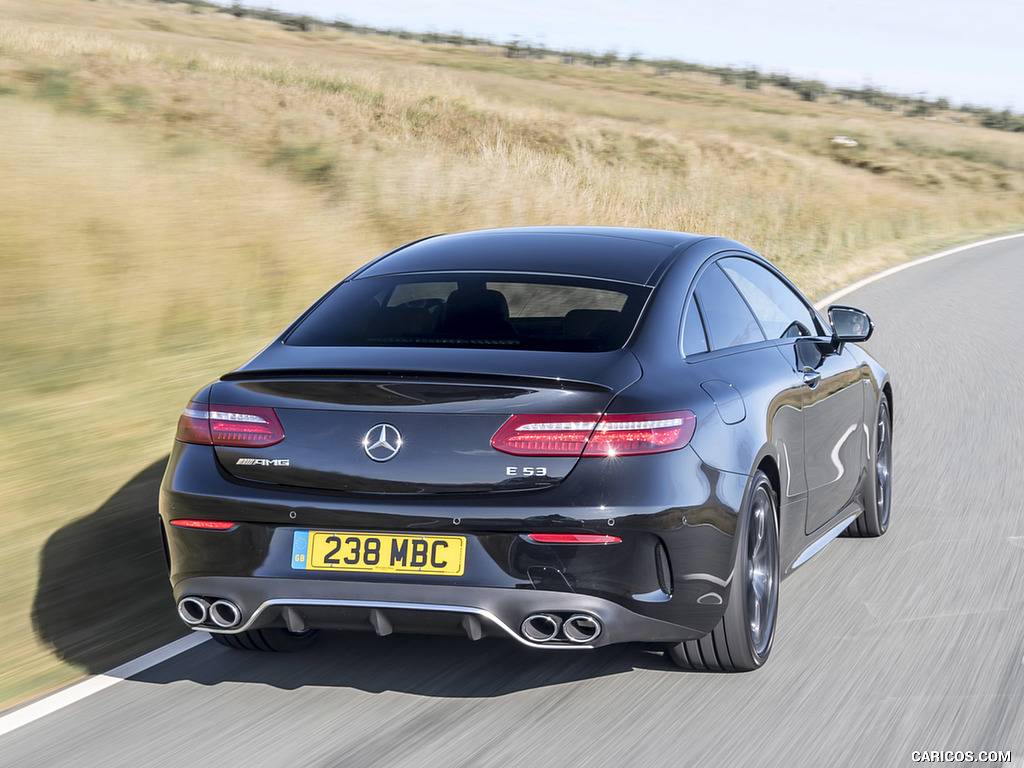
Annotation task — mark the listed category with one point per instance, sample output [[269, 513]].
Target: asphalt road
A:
[[911, 642]]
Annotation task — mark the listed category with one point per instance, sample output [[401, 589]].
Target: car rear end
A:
[[442, 453], [451, 534]]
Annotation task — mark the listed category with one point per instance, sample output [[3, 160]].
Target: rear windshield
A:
[[531, 312]]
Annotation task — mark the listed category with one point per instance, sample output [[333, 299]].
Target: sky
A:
[[968, 51]]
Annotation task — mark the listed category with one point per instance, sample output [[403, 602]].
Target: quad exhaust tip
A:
[[580, 628], [541, 627], [225, 614], [193, 610], [220, 613]]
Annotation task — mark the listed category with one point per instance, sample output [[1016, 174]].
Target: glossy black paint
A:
[[801, 409], [593, 251]]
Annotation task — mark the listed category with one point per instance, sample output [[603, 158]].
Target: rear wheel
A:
[[874, 521], [270, 639], [743, 638]]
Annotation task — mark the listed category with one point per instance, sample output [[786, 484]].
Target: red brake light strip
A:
[[573, 538], [206, 525]]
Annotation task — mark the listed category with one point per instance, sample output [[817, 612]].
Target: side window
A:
[[781, 312], [726, 316], [694, 339]]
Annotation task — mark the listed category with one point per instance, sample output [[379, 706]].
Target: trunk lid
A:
[[355, 421]]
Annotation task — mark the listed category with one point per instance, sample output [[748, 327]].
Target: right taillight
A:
[[245, 426], [639, 433], [588, 435]]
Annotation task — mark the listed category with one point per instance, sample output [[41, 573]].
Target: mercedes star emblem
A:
[[382, 442]]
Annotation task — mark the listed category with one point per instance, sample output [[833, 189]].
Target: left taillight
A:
[[586, 435], [245, 426]]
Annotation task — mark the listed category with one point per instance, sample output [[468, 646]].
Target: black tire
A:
[[874, 520], [270, 639], [743, 638]]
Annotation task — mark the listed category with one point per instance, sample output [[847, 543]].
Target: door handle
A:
[[811, 377]]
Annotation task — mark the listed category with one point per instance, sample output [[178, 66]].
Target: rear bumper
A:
[[385, 608], [669, 506]]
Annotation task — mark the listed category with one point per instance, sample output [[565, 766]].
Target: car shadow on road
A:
[[103, 596], [422, 665]]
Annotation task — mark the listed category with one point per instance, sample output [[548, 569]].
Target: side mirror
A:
[[849, 324]]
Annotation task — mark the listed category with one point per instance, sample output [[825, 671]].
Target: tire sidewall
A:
[[736, 622], [878, 524]]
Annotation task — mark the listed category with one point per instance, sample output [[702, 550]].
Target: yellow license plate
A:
[[378, 553]]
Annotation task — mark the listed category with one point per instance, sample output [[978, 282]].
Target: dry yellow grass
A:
[[177, 186]]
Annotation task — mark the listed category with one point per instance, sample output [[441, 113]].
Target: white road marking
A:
[[833, 297], [96, 683]]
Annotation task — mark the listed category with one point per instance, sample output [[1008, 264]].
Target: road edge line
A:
[[858, 284], [95, 683]]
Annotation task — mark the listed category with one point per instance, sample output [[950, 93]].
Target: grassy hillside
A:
[[177, 184]]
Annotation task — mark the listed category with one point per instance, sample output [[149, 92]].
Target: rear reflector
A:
[[573, 538], [244, 426], [587, 435], [206, 525]]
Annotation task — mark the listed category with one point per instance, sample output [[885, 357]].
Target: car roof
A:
[[613, 253]]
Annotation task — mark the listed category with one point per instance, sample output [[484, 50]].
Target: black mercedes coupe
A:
[[567, 436]]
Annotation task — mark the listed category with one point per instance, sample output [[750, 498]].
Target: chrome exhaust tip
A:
[[541, 627], [581, 628], [193, 610], [225, 614]]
